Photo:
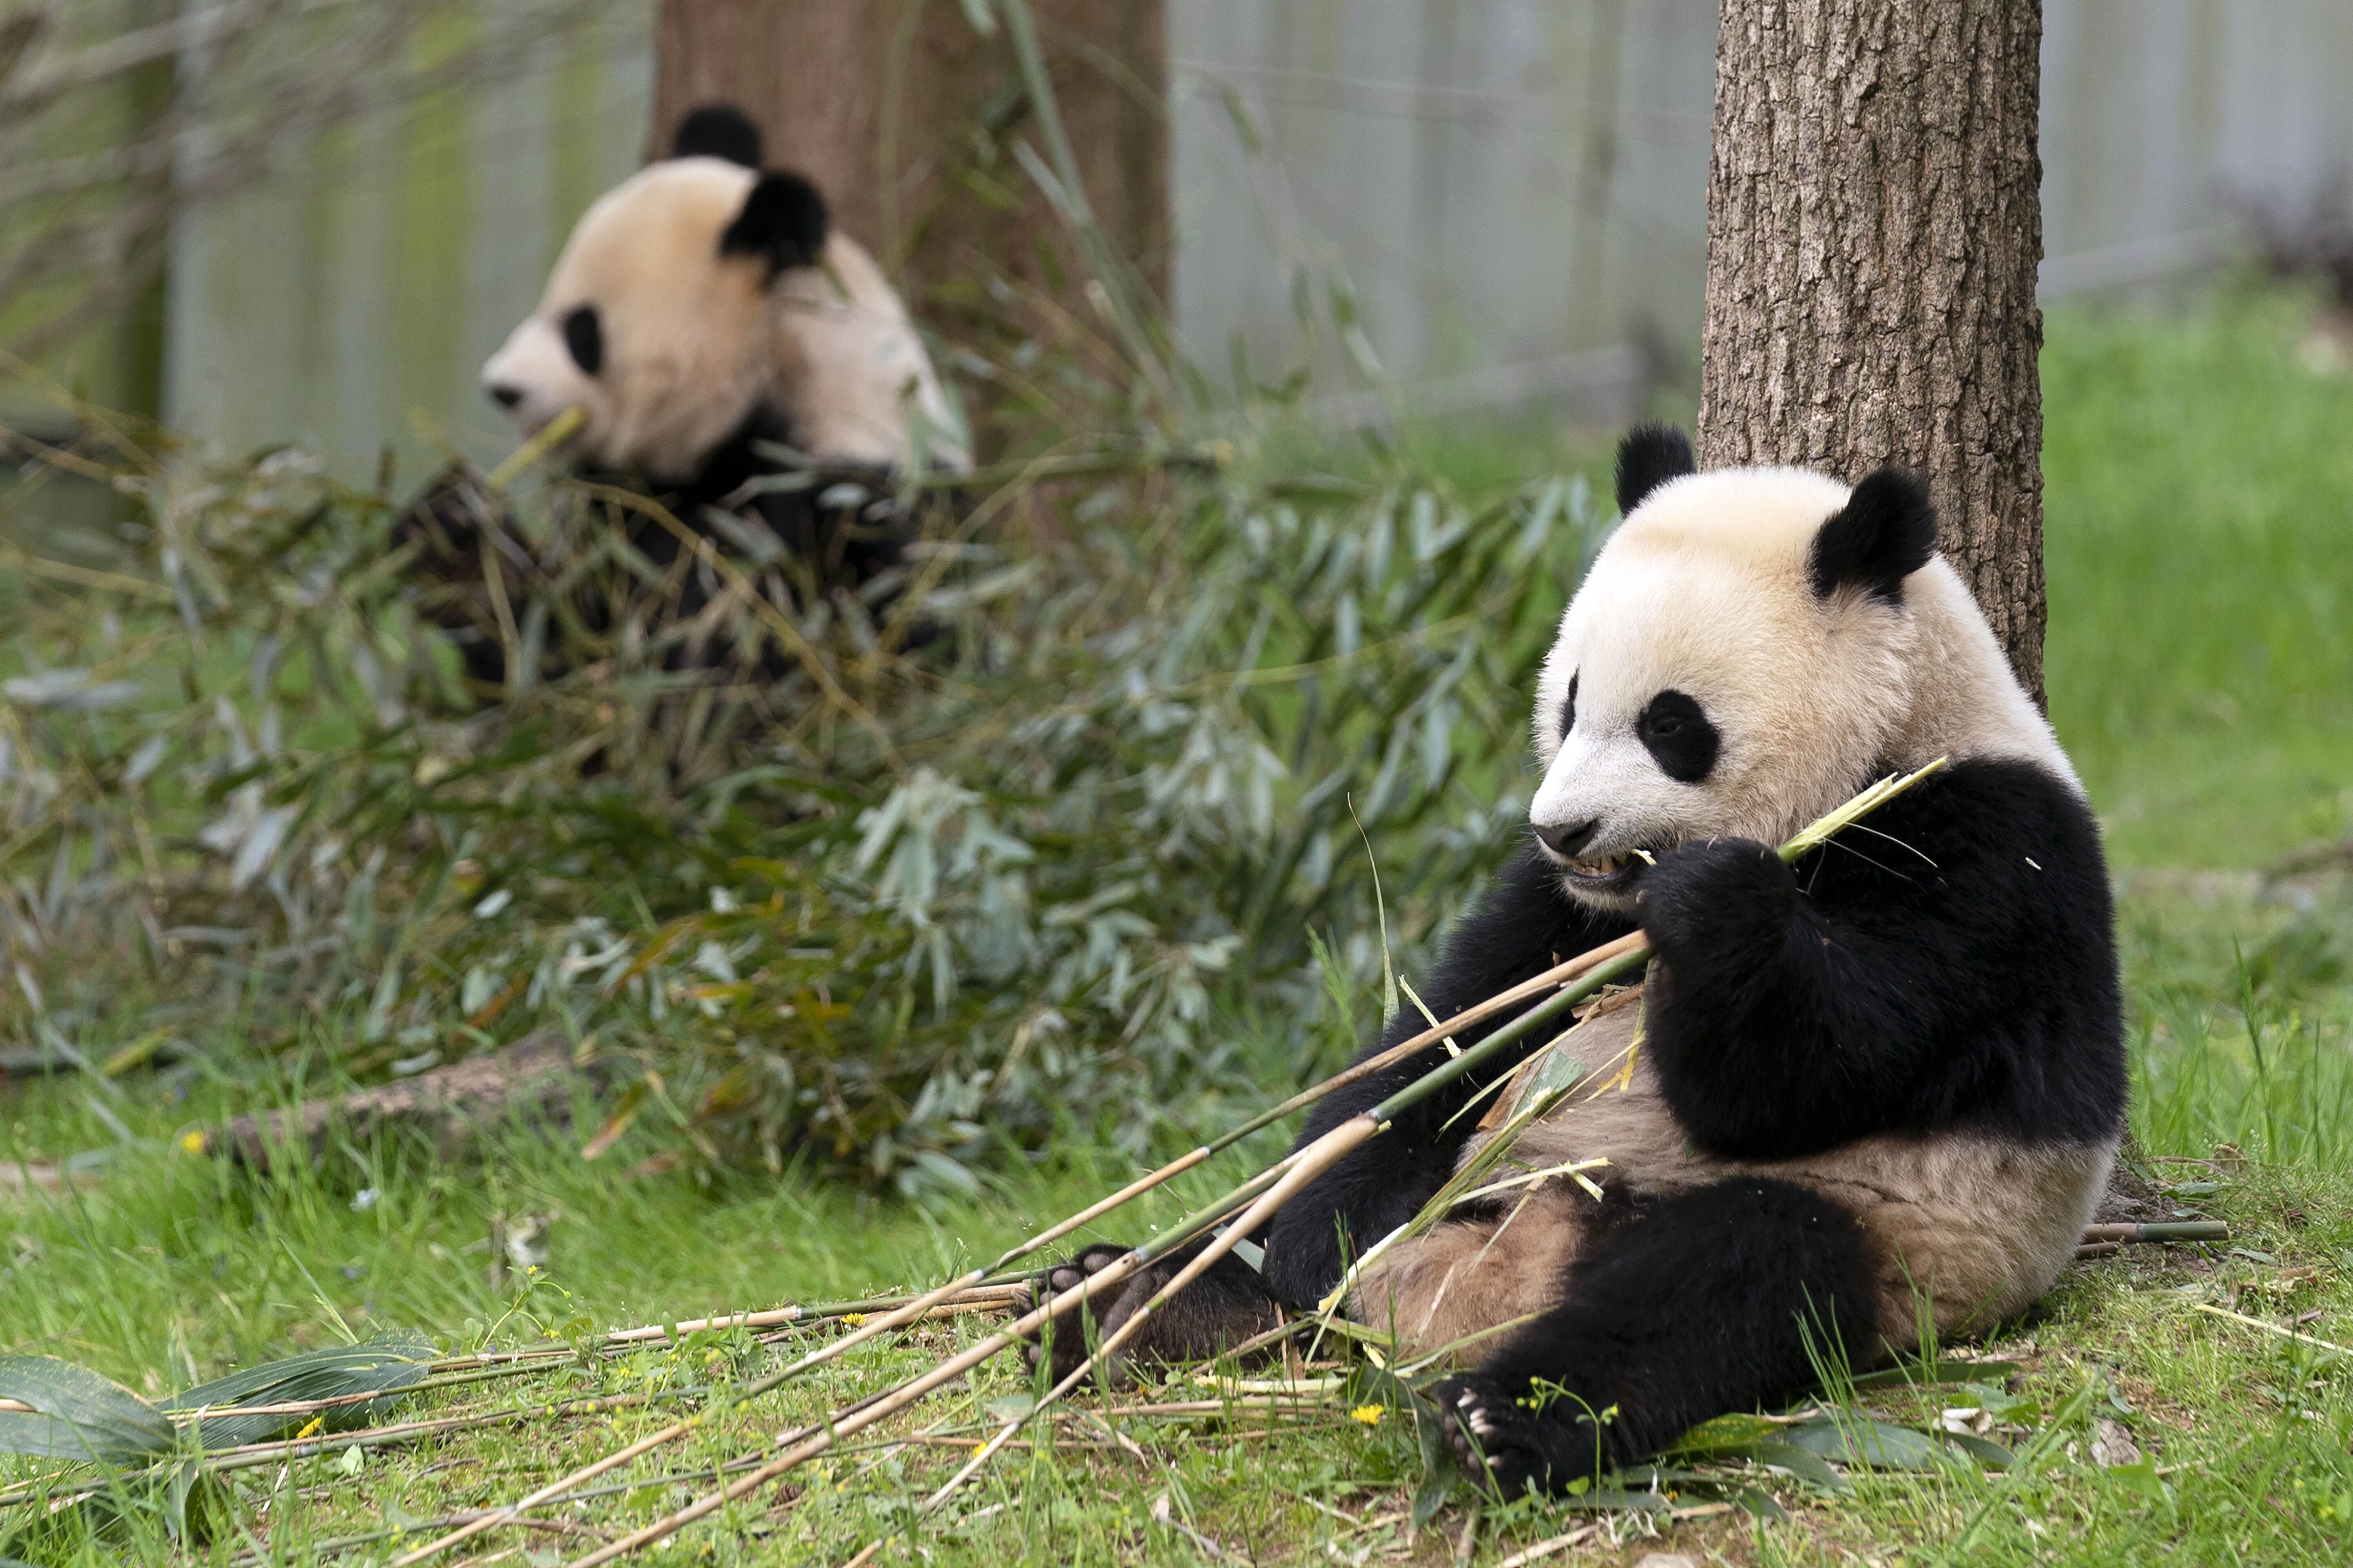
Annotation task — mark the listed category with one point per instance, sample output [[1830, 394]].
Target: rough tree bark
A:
[[899, 111], [1873, 229]]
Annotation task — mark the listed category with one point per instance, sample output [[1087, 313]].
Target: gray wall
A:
[[1511, 190], [350, 300]]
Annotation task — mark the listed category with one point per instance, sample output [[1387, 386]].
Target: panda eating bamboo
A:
[[1876, 1089], [717, 345]]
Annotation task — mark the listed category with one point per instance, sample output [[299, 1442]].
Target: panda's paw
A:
[[1487, 1432], [1222, 1309], [1072, 1327], [1714, 887], [1501, 1432]]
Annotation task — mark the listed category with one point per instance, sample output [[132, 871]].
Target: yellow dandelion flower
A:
[[855, 1320], [193, 1142], [1370, 1415]]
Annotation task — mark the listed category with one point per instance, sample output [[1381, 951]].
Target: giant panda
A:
[[704, 316], [1879, 1087]]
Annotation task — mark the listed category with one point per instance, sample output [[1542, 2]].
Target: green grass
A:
[[2201, 672], [2198, 506]]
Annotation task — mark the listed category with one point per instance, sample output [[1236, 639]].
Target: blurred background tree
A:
[[907, 113]]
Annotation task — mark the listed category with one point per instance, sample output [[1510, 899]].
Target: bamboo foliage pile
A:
[[1114, 792]]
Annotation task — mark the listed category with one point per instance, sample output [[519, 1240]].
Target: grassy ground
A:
[[2200, 654], [2201, 672]]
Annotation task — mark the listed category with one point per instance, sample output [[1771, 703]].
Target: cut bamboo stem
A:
[[1317, 1158], [910, 1309], [1309, 1163], [1263, 1194], [811, 1441], [552, 434], [2275, 1328], [2107, 1240], [872, 1328], [2170, 1230]]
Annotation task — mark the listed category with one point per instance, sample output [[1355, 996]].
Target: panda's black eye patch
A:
[[584, 334], [1568, 709], [1677, 734]]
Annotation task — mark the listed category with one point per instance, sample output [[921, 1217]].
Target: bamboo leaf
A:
[[1986, 1451], [1803, 1464], [56, 1409], [1866, 1442], [383, 1365]]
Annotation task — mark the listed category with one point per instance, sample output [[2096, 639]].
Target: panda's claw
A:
[[1490, 1438]]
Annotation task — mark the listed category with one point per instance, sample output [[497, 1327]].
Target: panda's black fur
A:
[[1947, 977]]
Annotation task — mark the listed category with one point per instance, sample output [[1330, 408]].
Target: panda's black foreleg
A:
[[1709, 1301]]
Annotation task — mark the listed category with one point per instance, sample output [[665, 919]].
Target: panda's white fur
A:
[[1703, 588], [695, 338]]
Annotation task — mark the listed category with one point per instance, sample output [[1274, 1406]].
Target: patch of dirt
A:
[[2130, 1200]]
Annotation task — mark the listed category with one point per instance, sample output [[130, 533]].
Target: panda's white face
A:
[[648, 326], [699, 291], [1701, 685]]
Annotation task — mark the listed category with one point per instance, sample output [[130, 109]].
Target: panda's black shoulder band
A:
[[718, 131]]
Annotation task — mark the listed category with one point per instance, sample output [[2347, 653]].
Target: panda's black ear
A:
[[718, 131], [1648, 458], [1886, 533], [783, 219]]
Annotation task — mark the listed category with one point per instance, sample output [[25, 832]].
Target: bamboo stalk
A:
[[2170, 1230], [1309, 1163], [2274, 1328], [812, 1440], [552, 434], [908, 1309], [871, 1330], [1264, 1194], [2107, 1240], [1317, 1158]]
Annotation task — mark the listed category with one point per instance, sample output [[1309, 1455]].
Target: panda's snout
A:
[[504, 393], [1565, 838]]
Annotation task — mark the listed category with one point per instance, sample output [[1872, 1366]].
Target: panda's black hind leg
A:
[[1703, 1303], [1227, 1305]]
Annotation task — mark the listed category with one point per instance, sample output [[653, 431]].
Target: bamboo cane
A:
[[914, 1309], [1264, 1194], [1560, 975], [1311, 1161], [1633, 949]]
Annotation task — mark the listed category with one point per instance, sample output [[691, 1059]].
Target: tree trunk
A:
[[903, 115], [1873, 229]]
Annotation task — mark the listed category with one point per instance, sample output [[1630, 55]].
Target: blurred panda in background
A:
[[709, 342]]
